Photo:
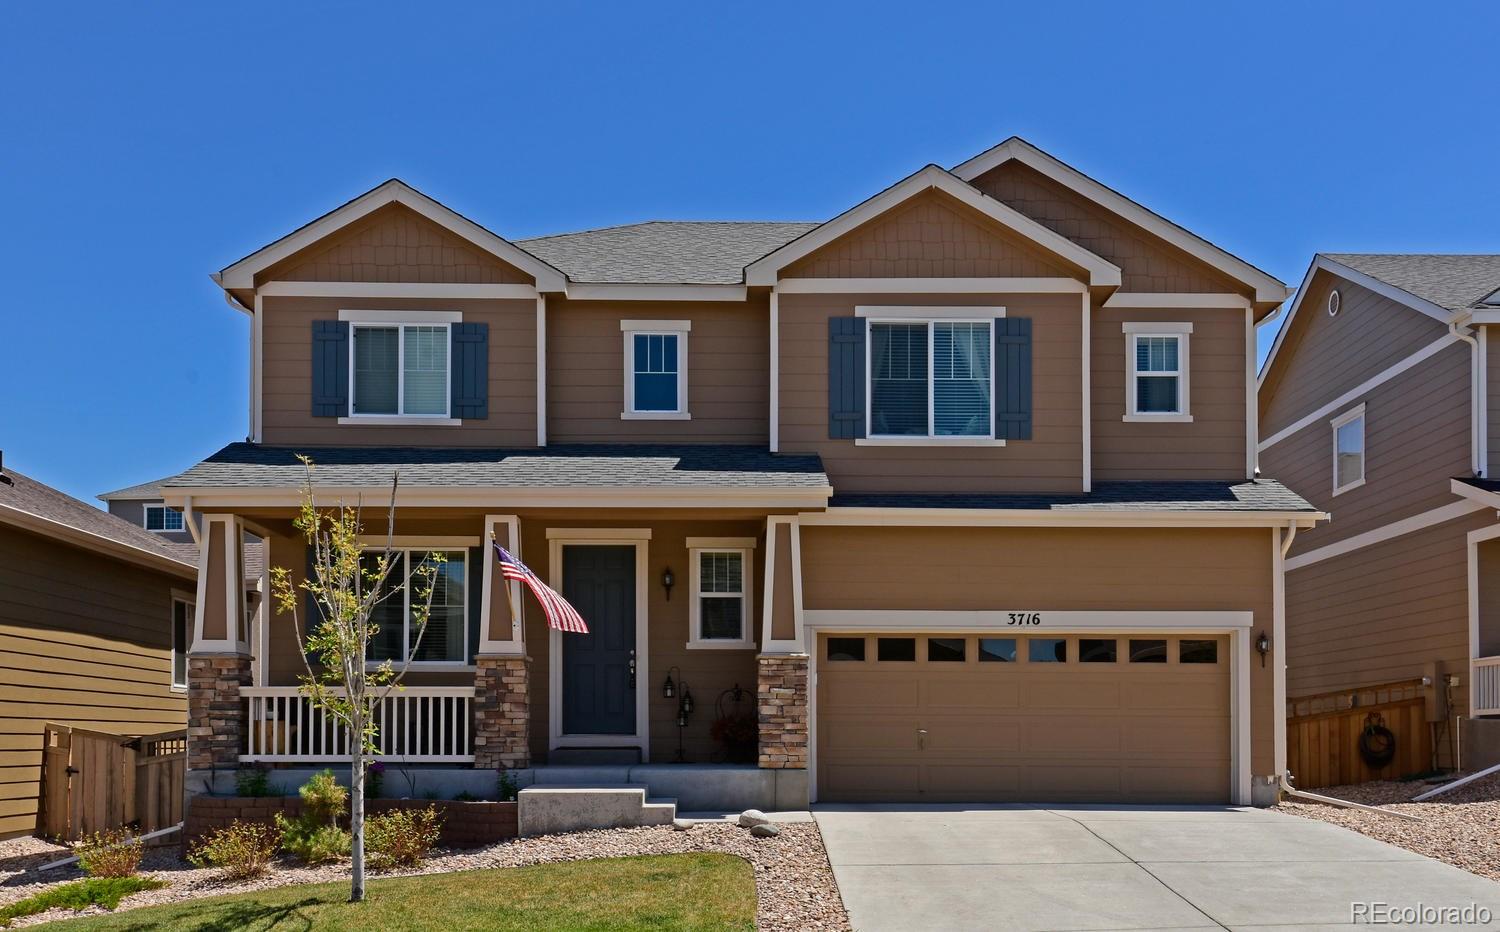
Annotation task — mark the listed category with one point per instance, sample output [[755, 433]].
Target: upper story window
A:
[[162, 519], [445, 639], [931, 379], [719, 614], [399, 370], [655, 369], [1349, 450], [1156, 366]]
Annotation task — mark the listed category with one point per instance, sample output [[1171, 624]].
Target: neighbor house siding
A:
[[134, 511], [84, 641], [1492, 399]]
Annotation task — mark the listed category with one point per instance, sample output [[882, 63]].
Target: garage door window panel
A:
[[846, 650], [1097, 650], [997, 650], [1149, 650], [946, 650], [1197, 651], [896, 650], [1047, 650]]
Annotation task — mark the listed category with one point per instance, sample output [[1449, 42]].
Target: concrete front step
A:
[[546, 809]]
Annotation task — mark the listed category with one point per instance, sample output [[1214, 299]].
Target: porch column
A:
[[782, 666], [502, 678], [219, 657]]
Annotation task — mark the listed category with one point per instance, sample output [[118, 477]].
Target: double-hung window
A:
[[1349, 450], [182, 634], [931, 379], [162, 519], [719, 614], [1156, 366], [399, 365], [445, 639], [655, 369]]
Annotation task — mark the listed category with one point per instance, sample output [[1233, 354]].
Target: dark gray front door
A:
[[598, 695]]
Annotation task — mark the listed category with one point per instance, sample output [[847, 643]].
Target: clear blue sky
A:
[[144, 145]]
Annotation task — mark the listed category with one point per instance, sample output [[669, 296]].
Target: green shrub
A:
[[508, 787], [315, 836], [402, 837], [244, 849], [253, 782], [81, 894], [464, 796], [109, 854], [323, 800]]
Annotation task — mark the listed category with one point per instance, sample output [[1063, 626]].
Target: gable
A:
[[931, 235], [1147, 264], [394, 244]]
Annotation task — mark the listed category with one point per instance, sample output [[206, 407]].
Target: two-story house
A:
[[957, 485], [1376, 404]]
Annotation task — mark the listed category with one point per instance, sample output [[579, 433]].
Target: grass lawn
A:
[[670, 891]]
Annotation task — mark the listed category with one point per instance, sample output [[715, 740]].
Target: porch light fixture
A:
[[1263, 644], [668, 581], [669, 688], [687, 701]]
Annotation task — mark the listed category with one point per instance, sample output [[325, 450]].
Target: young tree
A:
[[346, 584]]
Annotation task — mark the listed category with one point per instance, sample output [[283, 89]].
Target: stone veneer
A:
[[502, 712], [782, 703], [216, 712]]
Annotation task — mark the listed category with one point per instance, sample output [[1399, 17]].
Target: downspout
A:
[[191, 522], [1477, 457]]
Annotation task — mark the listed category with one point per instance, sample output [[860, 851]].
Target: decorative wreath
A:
[[1377, 743]]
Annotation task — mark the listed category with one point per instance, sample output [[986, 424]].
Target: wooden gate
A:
[[93, 781], [1323, 734]]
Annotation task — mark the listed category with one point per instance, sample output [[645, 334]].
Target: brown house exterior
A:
[[957, 488], [88, 604], [1375, 405]]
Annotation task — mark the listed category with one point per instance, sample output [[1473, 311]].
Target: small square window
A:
[[844, 649], [161, 518], [1097, 650], [945, 650], [1197, 651], [1047, 650], [997, 650], [400, 370], [1148, 651], [896, 649]]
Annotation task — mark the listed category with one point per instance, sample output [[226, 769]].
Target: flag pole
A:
[[504, 583]]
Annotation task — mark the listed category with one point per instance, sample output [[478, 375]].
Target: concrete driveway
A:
[[913, 867]]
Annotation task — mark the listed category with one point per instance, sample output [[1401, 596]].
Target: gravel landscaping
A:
[[793, 882], [1461, 827]]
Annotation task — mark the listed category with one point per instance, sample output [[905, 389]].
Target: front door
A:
[[598, 668]]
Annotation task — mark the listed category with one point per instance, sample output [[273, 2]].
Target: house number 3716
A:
[[1025, 618]]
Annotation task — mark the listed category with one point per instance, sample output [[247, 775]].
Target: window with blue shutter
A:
[[1013, 378], [330, 368], [846, 378], [471, 370]]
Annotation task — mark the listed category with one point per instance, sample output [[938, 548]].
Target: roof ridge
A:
[[646, 223]]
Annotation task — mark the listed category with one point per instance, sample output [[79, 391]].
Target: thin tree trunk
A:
[[357, 816]]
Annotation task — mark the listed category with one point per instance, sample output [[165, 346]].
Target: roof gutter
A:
[[69, 534]]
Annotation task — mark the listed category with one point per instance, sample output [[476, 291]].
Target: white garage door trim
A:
[[1235, 624]]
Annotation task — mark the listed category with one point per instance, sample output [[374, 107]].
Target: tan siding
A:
[[728, 371], [1050, 569], [394, 244], [1051, 461], [1147, 264], [930, 235], [1323, 357], [287, 405], [1492, 391], [1416, 439], [1213, 445], [1487, 553], [84, 641]]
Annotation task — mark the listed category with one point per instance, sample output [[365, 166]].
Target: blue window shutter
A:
[[475, 595], [1013, 378], [471, 370], [330, 368], [846, 378]]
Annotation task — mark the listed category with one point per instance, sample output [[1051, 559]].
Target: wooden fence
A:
[[1323, 734], [94, 780]]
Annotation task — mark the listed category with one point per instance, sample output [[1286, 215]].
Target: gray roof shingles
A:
[[43, 501], [1454, 282], [145, 491], [1259, 495], [664, 252]]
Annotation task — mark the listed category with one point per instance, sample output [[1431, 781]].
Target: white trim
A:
[[1156, 327], [417, 318], [655, 326], [242, 273], [420, 541], [765, 270], [598, 533], [165, 510], [1362, 388], [186, 598], [1252, 409], [1239, 716], [1279, 545], [257, 369], [930, 441], [399, 420], [1356, 413], [502, 499], [1482, 402], [922, 620], [541, 370], [655, 416], [400, 321], [720, 543], [1002, 517], [929, 286], [1181, 332], [746, 595], [1176, 301], [641, 292], [1385, 532], [769, 644], [1267, 289], [1086, 301], [774, 421], [921, 312], [1480, 496], [235, 623], [557, 538], [1481, 316], [916, 315], [515, 644], [1472, 541], [677, 330], [427, 290]]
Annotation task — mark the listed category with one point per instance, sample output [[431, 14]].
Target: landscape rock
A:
[[681, 825], [765, 830], [753, 817]]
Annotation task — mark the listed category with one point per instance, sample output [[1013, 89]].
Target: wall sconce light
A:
[[687, 701], [669, 688], [668, 581], [1263, 644]]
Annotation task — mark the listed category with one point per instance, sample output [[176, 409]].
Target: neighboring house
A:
[[142, 505], [958, 485], [1375, 405], [94, 619]]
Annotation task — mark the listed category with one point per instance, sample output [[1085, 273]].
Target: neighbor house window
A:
[[655, 369], [1156, 363], [719, 614], [399, 370], [182, 635], [1349, 450], [161, 518], [930, 379], [445, 639]]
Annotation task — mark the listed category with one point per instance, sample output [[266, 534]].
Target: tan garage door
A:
[[966, 718]]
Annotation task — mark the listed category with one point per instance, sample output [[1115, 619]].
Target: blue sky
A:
[[143, 146]]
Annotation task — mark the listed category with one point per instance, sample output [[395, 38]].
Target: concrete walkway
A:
[[914, 867]]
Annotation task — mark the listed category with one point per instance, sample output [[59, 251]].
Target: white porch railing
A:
[[1484, 686], [415, 725]]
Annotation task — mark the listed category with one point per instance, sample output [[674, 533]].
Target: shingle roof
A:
[[250, 465], [1259, 495], [43, 501], [1455, 282], [146, 491], [664, 252]]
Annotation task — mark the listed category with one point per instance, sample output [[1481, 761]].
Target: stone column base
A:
[[502, 712], [782, 704], [216, 711]]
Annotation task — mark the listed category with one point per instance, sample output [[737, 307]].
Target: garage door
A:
[[1138, 718]]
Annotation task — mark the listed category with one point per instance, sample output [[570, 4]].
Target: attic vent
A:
[[1334, 301]]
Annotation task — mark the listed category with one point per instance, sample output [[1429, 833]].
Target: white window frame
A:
[[407, 550], [1182, 332], [146, 519], [187, 632], [1356, 413], [359, 320], [928, 316], [630, 329], [697, 548]]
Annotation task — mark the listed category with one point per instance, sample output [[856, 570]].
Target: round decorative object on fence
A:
[[1377, 743]]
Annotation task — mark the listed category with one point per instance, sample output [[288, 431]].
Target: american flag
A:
[[560, 614]]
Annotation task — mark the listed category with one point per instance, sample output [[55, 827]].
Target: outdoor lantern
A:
[[669, 688], [681, 718], [687, 701], [668, 581], [1263, 644]]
